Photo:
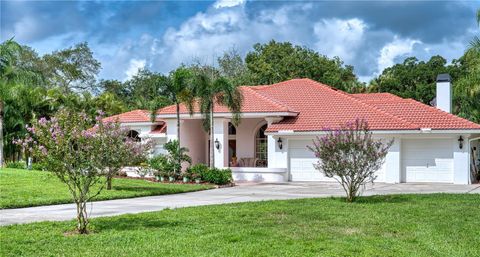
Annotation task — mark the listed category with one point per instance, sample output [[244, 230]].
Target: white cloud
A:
[[135, 65], [227, 3], [336, 37], [397, 48]]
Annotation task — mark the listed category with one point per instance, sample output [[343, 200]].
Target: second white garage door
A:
[[427, 160], [301, 161]]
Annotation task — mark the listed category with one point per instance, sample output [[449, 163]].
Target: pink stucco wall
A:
[[246, 137]]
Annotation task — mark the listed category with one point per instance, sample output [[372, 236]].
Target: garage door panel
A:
[[427, 160], [302, 162]]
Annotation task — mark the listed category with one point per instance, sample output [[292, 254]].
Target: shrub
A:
[[16, 165], [197, 170], [162, 165], [38, 166], [350, 155], [217, 176]]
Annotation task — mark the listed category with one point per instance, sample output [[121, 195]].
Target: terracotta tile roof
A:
[[321, 107], [134, 116], [252, 102], [422, 115]]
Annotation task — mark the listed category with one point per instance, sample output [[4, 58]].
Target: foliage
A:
[[209, 91], [232, 67], [124, 151], [162, 165], [197, 170], [413, 78], [22, 188], [466, 89], [216, 176], [279, 61], [71, 69], [350, 155], [177, 156], [73, 150], [16, 165]]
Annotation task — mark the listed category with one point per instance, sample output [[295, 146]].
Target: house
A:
[[278, 122]]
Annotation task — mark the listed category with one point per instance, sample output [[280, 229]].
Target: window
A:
[[132, 134], [261, 151], [232, 145], [231, 129]]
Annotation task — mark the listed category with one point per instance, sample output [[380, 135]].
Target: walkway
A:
[[241, 193]]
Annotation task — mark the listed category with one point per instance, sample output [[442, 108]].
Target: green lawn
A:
[[22, 188], [398, 225]]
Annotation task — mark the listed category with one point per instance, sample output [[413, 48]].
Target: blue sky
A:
[[160, 35]]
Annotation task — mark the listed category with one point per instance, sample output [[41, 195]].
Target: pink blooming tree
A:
[[121, 150], [350, 155], [76, 154]]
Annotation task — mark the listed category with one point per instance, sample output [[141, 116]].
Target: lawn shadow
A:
[[138, 189], [378, 199], [130, 222]]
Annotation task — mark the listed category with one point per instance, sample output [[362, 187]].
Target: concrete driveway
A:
[[240, 193]]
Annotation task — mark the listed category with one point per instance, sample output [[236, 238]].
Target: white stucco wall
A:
[[461, 168]]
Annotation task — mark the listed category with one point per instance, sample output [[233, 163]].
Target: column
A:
[[220, 133]]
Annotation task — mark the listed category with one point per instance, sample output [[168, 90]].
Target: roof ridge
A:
[[451, 115], [340, 92], [269, 98]]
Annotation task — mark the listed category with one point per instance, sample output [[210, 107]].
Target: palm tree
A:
[[476, 40], [11, 74], [177, 89], [209, 91]]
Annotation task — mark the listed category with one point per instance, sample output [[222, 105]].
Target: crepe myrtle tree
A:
[[350, 155], [124, 151], [72, 150]]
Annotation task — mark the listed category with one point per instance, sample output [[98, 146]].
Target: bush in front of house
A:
[[350, 155], [217, 176]]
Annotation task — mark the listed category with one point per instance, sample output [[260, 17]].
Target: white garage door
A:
[[301, 161], [427, 160]]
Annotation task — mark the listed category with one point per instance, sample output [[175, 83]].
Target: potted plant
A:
[[186, 178], [197, 178]]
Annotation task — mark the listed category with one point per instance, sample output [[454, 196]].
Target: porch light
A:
[[460, 142], [280, 143], [217, 143]]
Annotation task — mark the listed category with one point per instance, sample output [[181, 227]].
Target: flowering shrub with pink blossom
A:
[[350, 155], [80, 151]]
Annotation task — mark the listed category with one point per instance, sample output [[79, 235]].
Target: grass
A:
[[23, 188], [397, 225]]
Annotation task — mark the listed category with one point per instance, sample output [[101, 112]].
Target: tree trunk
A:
[[212, 139], [82, 218], [178, 136], [1, 133], [109, 182]]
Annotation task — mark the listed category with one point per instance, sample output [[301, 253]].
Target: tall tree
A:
[[72, 69], [146, 90], [275, 62], [12, 74], [209, 91], [232, 67], [178, 90], [413, 78], [476, 40]]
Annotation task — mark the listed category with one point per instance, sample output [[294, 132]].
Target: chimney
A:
[[444, 93]]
